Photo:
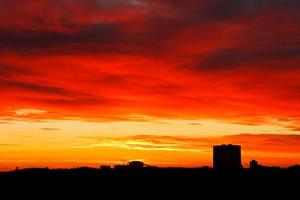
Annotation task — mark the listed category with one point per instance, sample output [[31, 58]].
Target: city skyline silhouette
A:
[[225, 158]]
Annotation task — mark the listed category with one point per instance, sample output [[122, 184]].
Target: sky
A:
[[92, 82]]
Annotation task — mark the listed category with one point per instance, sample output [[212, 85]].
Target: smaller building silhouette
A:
[[254, 164], [105, 167], [136, 165], [227, 157], [120, 166]]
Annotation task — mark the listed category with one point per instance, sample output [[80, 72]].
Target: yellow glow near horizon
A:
[[64, 143], [65, 132]]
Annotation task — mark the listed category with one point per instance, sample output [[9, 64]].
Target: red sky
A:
[[113, 63]]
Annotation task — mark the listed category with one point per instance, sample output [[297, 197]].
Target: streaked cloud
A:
[[29, 111], [50, 129], [250, 142]]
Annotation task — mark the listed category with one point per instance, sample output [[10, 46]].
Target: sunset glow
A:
[[92, 82]]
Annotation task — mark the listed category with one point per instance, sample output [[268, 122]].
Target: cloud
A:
[[50, 129], [231, 58], [38, 42], [294, 128], [276, 143], [229, 9], [9, 145], [31, 87], [195, 124], [25, 112], [102, 59], [8, 70]]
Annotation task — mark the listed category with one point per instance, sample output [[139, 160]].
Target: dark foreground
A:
[[154, 181]]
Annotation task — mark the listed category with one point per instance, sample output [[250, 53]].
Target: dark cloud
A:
[[232, 58], [195, 11], [10, 70], [58, 95], [230, 9], [142, 35], [23, 40], [111, 79], [74, 101], [32, 87]]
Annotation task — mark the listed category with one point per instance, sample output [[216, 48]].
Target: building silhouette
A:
[[120, 166], [136, 164], [227, 157], [254, 164], [105, 167]]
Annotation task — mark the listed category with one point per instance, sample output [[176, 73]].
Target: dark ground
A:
[[155, 182]]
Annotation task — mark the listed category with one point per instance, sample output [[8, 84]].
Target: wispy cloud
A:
[[250, 142], [28, 111], [50, 129], [151, 143], [9, 145]]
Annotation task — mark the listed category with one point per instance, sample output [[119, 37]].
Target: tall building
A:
[[227, 157]]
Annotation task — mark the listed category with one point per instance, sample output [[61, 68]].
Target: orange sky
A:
[[90, 82]]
